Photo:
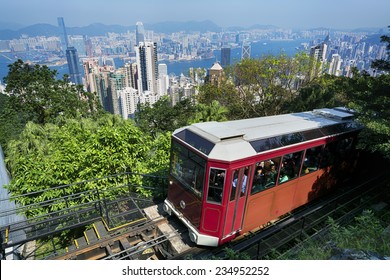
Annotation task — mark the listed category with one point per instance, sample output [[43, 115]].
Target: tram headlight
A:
[[167, 209], [193, 237]]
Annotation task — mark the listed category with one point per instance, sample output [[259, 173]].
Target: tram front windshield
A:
[[188, 168]]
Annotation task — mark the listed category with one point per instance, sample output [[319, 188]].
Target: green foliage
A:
[[11, 122], [162, 117], [47, 156], [369, 96], [253, 88], [212, 112], [365, 234], [309, 250], [230, 254], [35, 95], [325, 91], [233, 255]]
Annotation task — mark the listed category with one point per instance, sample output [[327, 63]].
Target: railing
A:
[[113, 198]]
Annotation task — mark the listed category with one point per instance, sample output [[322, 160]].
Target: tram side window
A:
[[216, 183], [329, 154], [291, 164], [346, 147], [265, 176], [240, 181], [312, 159], [235, 182]]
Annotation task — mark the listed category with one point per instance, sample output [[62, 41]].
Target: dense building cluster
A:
[[143, 76]]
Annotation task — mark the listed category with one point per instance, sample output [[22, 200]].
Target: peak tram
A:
[[228, 178]]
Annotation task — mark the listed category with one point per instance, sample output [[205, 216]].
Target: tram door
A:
[[239, 185]]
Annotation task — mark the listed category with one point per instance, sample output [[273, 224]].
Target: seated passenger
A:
[[272, 173], [259, 176], [310, 164], [283, 177], [258, 180]]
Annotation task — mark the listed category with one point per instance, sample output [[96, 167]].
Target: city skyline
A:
[[347, 14]]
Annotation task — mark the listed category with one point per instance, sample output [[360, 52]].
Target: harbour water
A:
[[258, 49]]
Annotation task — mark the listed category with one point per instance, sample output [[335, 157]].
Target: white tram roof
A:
[[237, 139]]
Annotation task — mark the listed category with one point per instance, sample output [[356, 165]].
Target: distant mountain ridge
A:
[[10, 31], [99, 29]]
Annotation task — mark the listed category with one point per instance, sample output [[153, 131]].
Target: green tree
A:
[[369, 97], [259, 87], [33, 89], [321, 92], [11, 121], [46, 156], [162, 117], [212, 112], [34, 94]]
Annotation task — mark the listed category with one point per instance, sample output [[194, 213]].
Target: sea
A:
[[258, 49]]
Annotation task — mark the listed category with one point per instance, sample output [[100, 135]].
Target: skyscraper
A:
[[71, 55], [225, 57], [335, 65], [318, 58], [73, 65], [146, 57], [91, 69], [163, 79], [117, 82], [139, 33], [64, 35]]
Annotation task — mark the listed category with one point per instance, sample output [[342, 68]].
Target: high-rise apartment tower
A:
[[146, 57]]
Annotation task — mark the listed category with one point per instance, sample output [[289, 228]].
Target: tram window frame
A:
[[242, 182], [235, 174], [346, 146], [188, 168], [266, 182], [290, 167], [215, 189], [329, 154], [196, 141], [313, 163]]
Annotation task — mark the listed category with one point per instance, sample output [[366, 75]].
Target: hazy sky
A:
[[283, 13]]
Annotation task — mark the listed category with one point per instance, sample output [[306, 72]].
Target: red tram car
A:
[[228, 178]]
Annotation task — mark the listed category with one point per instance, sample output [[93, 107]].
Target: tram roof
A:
[[285, 129]]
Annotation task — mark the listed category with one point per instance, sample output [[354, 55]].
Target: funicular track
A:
[[109, 202], [126, 242], [142, 239], [306, 221]]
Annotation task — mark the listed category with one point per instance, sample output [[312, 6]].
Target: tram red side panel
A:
[[283, 199], [271, 204], [228, 222], [258, 210], [212, 219], [304, 192]]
